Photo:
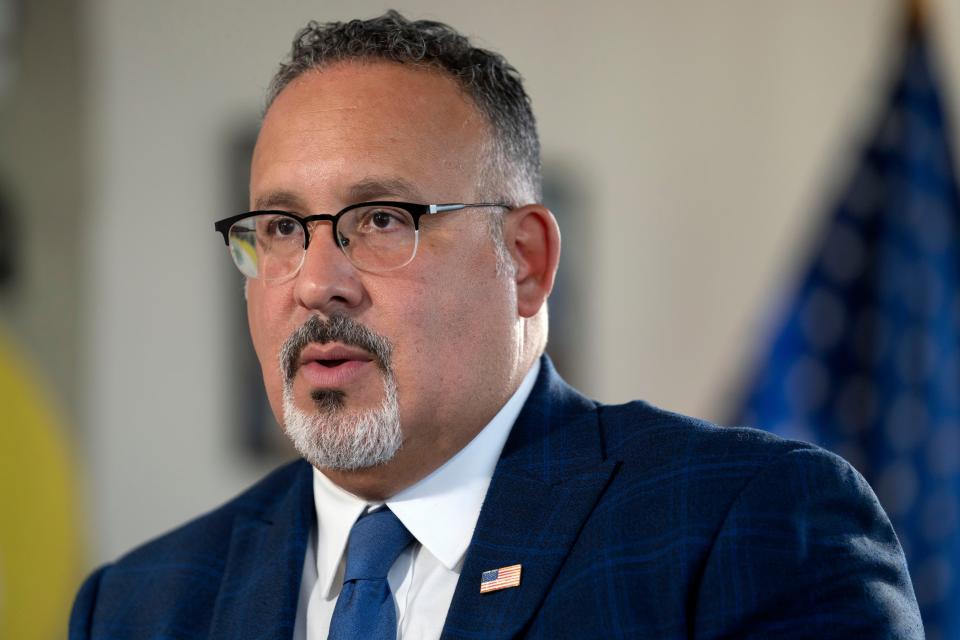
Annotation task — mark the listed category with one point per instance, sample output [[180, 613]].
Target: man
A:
[[398, 265]]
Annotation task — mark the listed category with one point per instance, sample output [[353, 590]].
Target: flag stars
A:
[[930, 224], [943, 450], [947, 382], [872, 334], [896, 487], [807, 384], [907, 423], [939, 517], [916, 356], [932, 580], [922, 291], [856, 404], [823, 319], [843, 255]]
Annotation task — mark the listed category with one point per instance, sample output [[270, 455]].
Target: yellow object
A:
[[39, 534]]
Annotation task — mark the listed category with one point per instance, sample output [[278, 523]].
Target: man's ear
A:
[[533, 239]]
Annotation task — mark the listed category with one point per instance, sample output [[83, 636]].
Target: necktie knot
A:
[[376, 539]]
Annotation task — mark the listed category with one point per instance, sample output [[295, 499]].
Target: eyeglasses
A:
[[375, 236]]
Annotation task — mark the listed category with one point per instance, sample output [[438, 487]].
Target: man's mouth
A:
[[332, 355], [331, 365]]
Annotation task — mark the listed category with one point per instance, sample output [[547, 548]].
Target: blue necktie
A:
[[365, 608]]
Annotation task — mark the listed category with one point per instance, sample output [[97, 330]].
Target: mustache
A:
[[336, 328]]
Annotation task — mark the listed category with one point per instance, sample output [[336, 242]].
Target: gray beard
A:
[[335, 437], [331, 435]]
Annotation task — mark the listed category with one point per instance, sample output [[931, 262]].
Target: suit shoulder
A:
[[638, 428], [678, 452], [212, 529], [822, 526]]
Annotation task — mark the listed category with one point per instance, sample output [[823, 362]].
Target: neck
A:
[[414, 461], [420, 456]]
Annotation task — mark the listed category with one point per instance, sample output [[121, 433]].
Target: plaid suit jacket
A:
[[630, 522]]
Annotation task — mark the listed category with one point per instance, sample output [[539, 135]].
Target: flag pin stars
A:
[[502, 578]]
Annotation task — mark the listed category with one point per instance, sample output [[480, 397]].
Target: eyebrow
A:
[[362, 191], [286, 200], [374, 188]]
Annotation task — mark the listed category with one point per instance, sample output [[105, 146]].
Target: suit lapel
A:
[[549, 477], [259, 589]]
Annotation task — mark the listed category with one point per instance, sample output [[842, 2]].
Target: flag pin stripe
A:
[[502, 578]]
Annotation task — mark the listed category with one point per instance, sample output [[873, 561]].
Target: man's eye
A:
[[383, 220], [282, 227]]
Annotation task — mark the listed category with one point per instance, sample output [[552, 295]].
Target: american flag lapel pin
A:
[[502, 578]]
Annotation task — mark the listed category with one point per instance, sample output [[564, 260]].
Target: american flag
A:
[[866, 359], [502, 578]]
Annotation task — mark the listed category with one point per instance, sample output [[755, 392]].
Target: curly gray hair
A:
[[512, 168]]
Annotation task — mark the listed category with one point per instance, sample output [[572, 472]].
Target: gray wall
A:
[[42, 180]]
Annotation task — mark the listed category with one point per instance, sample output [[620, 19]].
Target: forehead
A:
[[355, 121]]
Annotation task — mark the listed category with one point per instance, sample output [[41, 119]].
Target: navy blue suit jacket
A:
[[630, 522]]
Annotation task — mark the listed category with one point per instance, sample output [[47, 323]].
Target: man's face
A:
[[381, 131]]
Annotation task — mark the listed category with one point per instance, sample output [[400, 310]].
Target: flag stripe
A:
[[500, 578]]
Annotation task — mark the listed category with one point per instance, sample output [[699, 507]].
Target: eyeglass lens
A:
[[374, 238]]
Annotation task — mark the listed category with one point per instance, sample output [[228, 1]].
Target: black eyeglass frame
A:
[[415, 210]]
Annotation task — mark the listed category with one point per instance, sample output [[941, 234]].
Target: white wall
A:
[[707, 136]]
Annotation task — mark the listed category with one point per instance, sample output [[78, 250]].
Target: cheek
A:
[[256, 311], [446, 322], [266, 333]]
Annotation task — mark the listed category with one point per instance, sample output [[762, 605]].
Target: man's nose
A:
[[327, 280]]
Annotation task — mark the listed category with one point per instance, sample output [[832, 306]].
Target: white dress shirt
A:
[[440, 511]]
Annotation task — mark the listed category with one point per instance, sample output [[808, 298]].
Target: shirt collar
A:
[[337, 510], [451, 495]]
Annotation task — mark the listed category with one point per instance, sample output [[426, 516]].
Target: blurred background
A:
[[695, 153]]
